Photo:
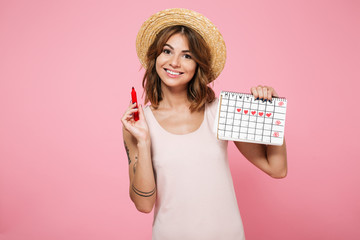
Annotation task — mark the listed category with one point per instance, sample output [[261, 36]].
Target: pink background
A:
[[66, 70]]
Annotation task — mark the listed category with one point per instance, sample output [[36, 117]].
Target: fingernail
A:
[[269, 101], [257, 99]]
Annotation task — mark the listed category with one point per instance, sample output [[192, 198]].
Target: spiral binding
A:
[[249, 95]]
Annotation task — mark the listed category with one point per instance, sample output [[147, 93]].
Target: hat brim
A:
[[180, 16]]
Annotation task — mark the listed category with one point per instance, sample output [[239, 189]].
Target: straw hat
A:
[[180, 16]]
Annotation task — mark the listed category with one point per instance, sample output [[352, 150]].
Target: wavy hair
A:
[[198, 91]]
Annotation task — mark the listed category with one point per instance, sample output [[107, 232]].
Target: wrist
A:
[[143, 143]]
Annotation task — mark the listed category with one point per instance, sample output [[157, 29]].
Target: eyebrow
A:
[[173, 48]]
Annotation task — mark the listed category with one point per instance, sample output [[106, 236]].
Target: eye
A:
[[166, 51], [187, 56]]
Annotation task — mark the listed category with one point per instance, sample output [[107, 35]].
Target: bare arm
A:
[[137, 144], [270, 159]]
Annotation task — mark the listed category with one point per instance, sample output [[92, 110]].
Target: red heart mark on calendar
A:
[[281, 103], [278, 122], [246, 111], [260, 114], [239, 109], [276, 134], [268, 114], [253, 112]]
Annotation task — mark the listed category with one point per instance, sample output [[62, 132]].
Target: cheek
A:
[[158, 64], [191, 67], [160, 60]]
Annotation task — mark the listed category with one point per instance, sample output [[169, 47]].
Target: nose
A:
[[174, 61]]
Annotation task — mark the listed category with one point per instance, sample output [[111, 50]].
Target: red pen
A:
[[134, 100]]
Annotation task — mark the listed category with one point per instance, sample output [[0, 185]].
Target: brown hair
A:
[[198, 92]]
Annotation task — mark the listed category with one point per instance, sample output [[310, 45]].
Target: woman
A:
[[175, 160]]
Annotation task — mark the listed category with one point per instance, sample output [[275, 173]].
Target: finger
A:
[[141, 112], [270, 93], [128, 119], [260, 91], [131, 111], [125, 122], [274, 93], [129, 114], [254, 92], [132, 106], [265, 92], [128, 126]]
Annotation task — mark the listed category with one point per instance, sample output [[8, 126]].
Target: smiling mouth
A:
[[172, 72]]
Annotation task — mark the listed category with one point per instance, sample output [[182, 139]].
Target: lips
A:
[[172, 72]]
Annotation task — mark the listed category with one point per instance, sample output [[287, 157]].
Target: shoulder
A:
[[212, 106], [212, 116], [212, 110], [147, 110], [146, 107]]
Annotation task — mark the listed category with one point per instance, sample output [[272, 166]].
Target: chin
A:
[[171, 83]]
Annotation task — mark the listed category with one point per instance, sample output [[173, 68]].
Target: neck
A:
[[174, 98]]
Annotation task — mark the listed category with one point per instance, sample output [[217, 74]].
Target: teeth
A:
[[173, 73]]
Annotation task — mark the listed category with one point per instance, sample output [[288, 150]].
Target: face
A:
[[175, 65]]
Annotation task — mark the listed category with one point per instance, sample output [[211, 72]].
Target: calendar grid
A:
[[227, 107], [247, 130], [242, 106], [243, 118], [262, 132], [271, 137], [233, 118]]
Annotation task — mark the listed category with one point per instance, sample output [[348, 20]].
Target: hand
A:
[[263, 93], [139, 129]]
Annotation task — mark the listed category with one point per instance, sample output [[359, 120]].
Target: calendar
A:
[[240, 117]]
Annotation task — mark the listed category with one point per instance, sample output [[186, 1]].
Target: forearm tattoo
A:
[[143, 194], [134, 166], [127, 152]]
